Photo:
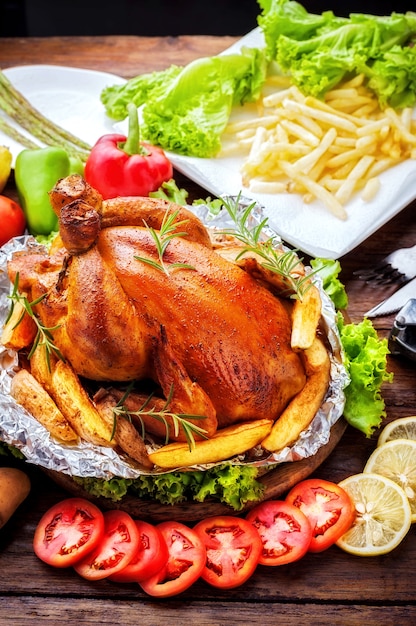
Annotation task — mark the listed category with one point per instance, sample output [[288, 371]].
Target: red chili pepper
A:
[[125, 166]]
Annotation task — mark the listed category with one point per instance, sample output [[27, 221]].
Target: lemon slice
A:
[[402, 428], [396, 460], [383, 516]]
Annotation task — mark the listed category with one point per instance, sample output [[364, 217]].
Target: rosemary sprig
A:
[[162, 238], [282, 263], [44, 336], [180, 420]]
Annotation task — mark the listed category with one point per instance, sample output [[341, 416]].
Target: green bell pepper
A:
[[36, 172]]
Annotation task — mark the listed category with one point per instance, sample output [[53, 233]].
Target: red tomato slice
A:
[[117, 548], [284, 530], [185, 562], [233, 548], [151, 556], [328, 508], [68, 531]]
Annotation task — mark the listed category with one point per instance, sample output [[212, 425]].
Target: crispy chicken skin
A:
[[121, 318]]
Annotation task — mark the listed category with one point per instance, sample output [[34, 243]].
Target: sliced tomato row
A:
[[167, 558], [164, 559]]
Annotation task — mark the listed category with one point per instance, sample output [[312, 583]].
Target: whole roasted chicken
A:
[[135, 290]]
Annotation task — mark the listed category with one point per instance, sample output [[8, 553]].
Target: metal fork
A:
[[397, 268]]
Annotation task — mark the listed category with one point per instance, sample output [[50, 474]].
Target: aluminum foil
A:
[[21, 430]]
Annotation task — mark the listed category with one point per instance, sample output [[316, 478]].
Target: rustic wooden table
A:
[[328, 588]]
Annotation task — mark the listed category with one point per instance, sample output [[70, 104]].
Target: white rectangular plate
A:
[[308, 227]]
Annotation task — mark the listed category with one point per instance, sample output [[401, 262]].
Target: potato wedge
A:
[[302, 409], [74, 402], [29, 393], [40, 368], [226, 443], [99, 417], [305, 319], [18, 334]]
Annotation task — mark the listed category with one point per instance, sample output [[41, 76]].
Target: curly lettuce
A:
[[328, 271], [234, 485], [365, 357], [185, 110], [319, 51], [393, 77]]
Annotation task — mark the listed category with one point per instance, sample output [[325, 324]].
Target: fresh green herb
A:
[[162, 238], [44, 335], [180, 420], [274, 260]]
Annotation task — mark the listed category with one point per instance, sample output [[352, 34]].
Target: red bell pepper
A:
[[125, 166]]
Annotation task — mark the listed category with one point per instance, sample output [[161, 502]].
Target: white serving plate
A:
[[308, 227]]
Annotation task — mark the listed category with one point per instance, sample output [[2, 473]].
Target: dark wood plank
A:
[[125, 56], [28, 610]]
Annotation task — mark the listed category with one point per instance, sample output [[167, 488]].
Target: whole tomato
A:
[[12, 220]]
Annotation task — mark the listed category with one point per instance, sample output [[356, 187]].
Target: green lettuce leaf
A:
[[329, 270], [170, 191], [185, 110], [291, 19], [365, 357], [138, 90], [234, 485], [319, 51], [393, 77]]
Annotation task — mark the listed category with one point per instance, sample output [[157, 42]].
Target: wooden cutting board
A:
[[278, 481]]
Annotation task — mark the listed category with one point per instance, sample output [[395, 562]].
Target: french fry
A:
[[30, 394], [317, 190], [20, 330], [371, 188], [306, 163], [226, 443], [302, 409], [306, 314], [262, 186], [327, 150]]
